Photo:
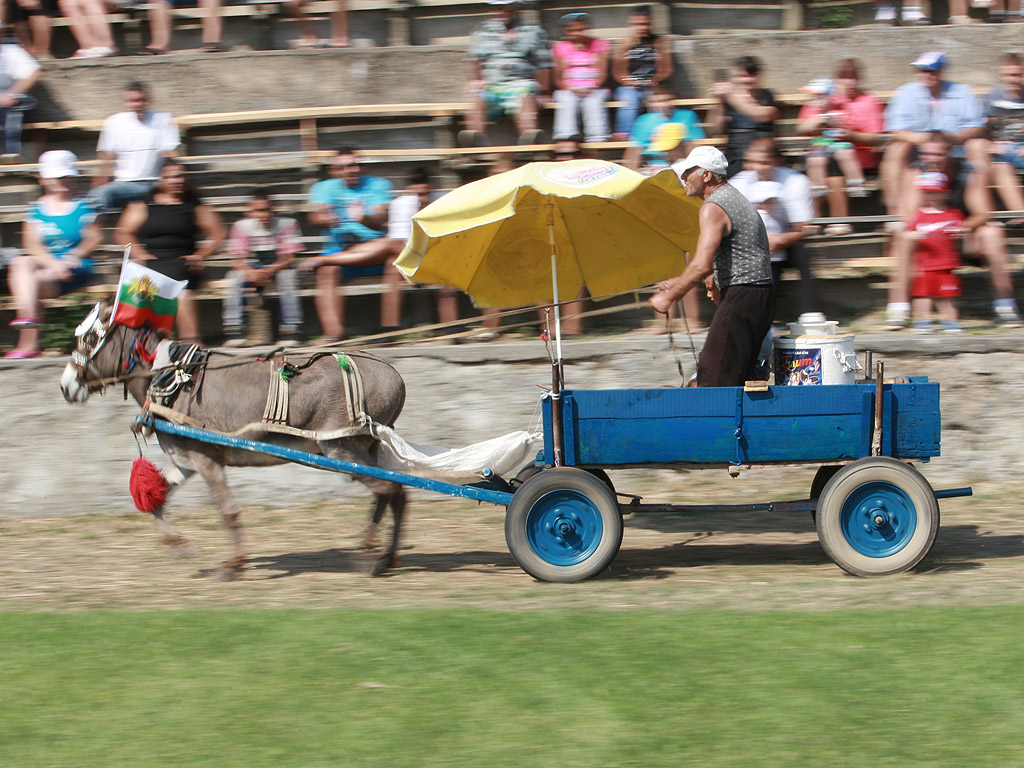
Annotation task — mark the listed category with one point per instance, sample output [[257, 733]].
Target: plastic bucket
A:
[[812, 353]]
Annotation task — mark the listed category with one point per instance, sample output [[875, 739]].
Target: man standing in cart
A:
[[734, 261]]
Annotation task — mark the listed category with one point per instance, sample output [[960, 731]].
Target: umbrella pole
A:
[[557, 437]]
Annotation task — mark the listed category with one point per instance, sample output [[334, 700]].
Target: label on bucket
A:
[[798, 366]]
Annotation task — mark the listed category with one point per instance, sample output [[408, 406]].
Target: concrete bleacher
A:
[[271, 117]]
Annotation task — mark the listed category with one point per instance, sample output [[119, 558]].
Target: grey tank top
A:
[[743, 257]]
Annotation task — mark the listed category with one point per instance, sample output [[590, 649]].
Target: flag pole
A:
[[120, 279]]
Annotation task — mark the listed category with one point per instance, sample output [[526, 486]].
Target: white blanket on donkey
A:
[[504, 456]]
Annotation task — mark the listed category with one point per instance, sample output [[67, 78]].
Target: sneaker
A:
[[923, 326], [531, 137], [22, 354], [896, 319], [838, 229], [1008, 317], [950, 326], [857, 189], [288, 337]]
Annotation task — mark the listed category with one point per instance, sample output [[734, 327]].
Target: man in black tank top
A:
[[733, 250]]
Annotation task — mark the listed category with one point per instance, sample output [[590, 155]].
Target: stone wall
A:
[[60, 459], [193, 83]]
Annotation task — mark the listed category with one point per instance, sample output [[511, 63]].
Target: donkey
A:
[[226, 394]]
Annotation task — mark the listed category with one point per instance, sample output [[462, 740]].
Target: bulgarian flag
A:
[[145, 296]]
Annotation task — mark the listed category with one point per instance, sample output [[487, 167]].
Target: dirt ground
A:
[[454, 555]]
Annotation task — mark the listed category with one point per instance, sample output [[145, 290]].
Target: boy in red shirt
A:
[[935, 229]]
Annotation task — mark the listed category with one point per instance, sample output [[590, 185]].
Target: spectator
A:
[[743, 109], [580, 72], [933, 229], [761, 162], [419, 193], [662, 135], [918, 108], [262, 247], [59, 234], [1005, 10], [31, 22], [1004, 107], [849, 122], [307, 32], [640, 62], [353, 209], [969, 194], [767, 197], [510, 70], [161, 24], [173, 233], [19, 72], [89, 25], [133, 144]]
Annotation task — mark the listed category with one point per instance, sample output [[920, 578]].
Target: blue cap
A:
[[930, 61]]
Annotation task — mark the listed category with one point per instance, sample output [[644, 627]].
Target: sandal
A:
[[151, 51], [217, 47], [26, 322], [22, 354]]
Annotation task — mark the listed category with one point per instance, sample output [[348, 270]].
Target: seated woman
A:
[[172, 232], [580, 71], [58, 236], [848, 125]]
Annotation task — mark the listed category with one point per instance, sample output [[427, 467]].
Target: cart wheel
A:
[[563, 525], [877, 516], [601, 475], [821, 478]]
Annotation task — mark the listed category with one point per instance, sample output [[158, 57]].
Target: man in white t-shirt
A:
[[419, 194], [262, 247], [18, 73], [132, 147]]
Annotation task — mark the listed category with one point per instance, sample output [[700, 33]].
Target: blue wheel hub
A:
[[564, 528], [878, 519]]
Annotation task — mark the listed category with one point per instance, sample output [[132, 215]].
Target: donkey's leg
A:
[[213, 473], [385, 494], [168, 533]]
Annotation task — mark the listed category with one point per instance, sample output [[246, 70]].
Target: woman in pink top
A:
[[581, 68], [848, 124]]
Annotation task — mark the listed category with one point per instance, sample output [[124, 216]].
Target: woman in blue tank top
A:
[[58, 237]]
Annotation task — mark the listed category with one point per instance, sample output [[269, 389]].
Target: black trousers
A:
[[740, 324]]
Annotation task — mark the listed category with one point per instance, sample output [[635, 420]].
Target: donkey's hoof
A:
[[378, 566], [228, 574]]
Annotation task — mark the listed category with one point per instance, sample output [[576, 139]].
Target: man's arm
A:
[[714, 225], [104, 170]]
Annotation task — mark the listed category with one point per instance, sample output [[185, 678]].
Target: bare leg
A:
[[947, 310], [992, 245], [329, 303], [212, 23], [391, 299], [890, 172], [922, 309], [476, 117], [526, 120], [79, 24], [899, 281], [29, 281], [160, 25], [40, 26], [188, 318], [307, 32], [838, 203], [1004, 176], [447, 305], [490, 321], [850, 165], [816, 172], [339, 26]]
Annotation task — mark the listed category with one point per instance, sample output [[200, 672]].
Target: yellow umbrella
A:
[[612, 229]]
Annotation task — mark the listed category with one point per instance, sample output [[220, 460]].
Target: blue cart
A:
[[875, 513]]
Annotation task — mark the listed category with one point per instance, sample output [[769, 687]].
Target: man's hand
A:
[[8, 99], [661, 302]]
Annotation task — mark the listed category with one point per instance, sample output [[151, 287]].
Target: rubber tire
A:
[[912, 495], [533, 495]]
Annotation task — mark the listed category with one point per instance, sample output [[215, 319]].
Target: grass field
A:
[[240, 687]]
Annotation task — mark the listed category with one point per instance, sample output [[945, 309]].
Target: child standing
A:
[[934, 229]]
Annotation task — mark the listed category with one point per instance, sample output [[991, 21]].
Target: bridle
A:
[[92, 336]]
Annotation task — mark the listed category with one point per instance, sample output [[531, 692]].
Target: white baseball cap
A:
[[706, 157], [57, 163]]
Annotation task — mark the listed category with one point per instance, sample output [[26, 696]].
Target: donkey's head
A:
[[104, 353]]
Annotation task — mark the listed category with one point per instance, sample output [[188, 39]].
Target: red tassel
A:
[[148, 486]]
